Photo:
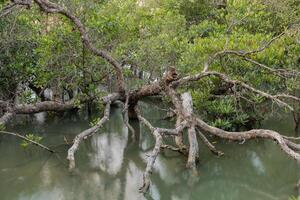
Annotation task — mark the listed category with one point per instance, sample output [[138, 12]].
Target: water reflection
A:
[[108, 150], [110, 166]]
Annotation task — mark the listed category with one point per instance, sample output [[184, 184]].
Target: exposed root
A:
[[28, 140], [184, 110]]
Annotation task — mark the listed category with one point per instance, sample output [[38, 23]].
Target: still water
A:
[[110, 165]]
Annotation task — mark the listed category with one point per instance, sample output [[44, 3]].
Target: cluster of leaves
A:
[[31, 137]]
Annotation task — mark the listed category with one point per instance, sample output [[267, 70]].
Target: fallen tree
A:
[[167, 86]]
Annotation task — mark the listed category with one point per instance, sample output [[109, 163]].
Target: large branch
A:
[[43, 107], [246, 135], [151, 161]]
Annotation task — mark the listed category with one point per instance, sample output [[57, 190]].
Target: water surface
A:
[[110, 165]]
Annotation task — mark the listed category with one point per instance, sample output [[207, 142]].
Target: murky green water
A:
[[110, 165]]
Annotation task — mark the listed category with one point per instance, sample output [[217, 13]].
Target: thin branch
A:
[[28, 140], [283, 73], [291, 138], [225, 78], [210, 146], [7, 9]]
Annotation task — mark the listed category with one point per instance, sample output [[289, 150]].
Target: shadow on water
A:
[[110, 165]]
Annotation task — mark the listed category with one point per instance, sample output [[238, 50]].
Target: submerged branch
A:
[[108, 100], [154, 154], [210, 146], [85, 134]]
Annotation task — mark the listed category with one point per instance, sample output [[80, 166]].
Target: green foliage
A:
[[94, 121], [46, 50], [294, 198], [222, 123], [30, 136], [2, 127]]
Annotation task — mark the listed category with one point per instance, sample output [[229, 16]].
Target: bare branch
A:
[[187, 106], [43, 106], [246, 135], [210, 146], [260, 49], [85, 134], [151, 161]]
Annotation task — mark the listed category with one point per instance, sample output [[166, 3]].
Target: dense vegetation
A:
[[253, 42], [45, 51]]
